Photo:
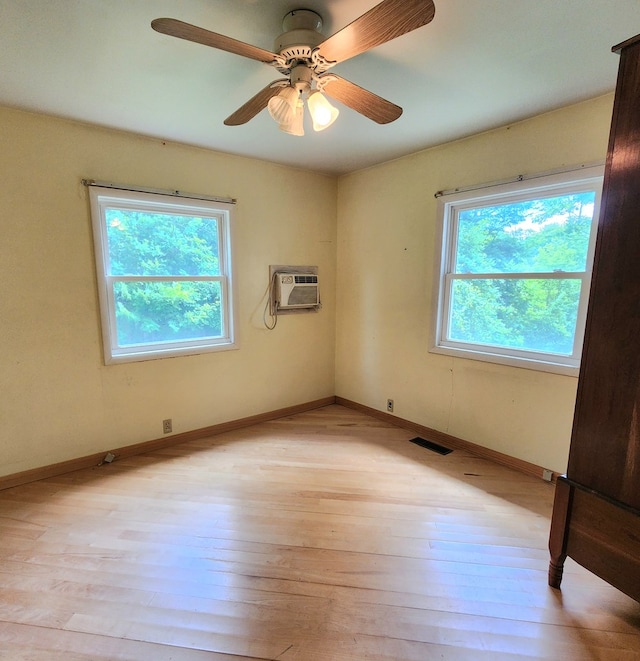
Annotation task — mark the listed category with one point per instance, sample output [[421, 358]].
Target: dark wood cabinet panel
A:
[[596, 513]]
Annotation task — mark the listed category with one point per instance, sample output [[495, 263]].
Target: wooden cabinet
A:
[[596, 515]]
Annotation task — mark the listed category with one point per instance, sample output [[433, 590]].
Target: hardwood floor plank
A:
[[20, 642], [321, 536]]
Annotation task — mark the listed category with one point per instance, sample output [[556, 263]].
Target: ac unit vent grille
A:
[[303, 296], [296, 291]]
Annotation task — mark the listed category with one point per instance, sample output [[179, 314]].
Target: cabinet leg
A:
[[555, 572], [559, 531]]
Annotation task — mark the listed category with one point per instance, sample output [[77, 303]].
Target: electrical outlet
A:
[[167, 427], [547, 475], [390, 405]]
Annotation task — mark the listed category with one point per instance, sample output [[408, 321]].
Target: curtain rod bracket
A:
[[513, 180], [158, 191]]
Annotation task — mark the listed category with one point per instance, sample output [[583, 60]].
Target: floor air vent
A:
[[430, 445]]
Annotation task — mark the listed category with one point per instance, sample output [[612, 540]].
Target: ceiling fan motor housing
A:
[[302, 19], [301, 34]]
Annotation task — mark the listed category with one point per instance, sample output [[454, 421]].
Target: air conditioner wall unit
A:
[[295, 291]]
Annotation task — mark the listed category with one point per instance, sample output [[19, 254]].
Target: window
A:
[[164, 274], [514, 271]]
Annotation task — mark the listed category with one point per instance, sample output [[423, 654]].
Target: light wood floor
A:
[[326, 536]]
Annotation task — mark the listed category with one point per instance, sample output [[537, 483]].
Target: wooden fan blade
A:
[[176, 28], [255, 104], [386, 21], [361, 100]]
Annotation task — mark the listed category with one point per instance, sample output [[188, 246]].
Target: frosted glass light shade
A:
[[283, 106], [322, 112], [295, 125]]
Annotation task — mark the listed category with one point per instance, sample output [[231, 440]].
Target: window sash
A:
[[121, 350], [167, 208], [589, 179], [107, 198], [572, 359]]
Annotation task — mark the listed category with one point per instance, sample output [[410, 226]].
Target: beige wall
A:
[[386, 234], [58, 400]]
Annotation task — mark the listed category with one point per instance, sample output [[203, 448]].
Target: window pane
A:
[[167, 311], [533, 236], [531, 314], [142, 243]]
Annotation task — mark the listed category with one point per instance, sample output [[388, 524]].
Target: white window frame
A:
[[449, 206], [102, 198]]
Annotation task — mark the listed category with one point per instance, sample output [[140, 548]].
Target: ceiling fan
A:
[[304, 56]]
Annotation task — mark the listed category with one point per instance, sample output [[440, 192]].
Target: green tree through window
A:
[[152, 244], [165, 274], [515, 271]]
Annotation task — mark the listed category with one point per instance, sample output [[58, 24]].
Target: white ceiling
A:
[[480, 64]]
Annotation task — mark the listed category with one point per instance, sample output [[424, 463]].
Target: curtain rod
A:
[[520, 177], [157, 191]]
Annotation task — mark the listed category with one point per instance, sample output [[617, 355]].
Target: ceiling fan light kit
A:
[[295, 126], [321, 111], [287, 107], [283, 106], [288, 110], [304, 55]]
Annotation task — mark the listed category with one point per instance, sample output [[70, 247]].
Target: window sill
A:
[[510, 361], [170, 352]]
